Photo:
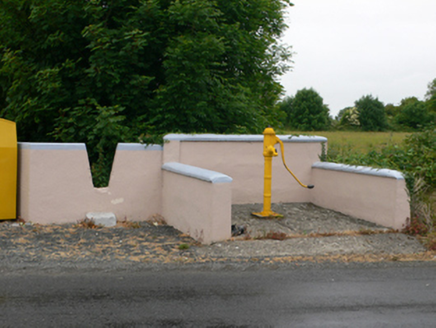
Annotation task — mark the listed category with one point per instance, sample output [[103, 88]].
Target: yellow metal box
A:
[[8, 170]]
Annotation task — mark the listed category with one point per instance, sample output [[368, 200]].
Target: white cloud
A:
[[349, 48]]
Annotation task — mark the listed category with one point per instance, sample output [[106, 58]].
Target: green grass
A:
[[359, 142]]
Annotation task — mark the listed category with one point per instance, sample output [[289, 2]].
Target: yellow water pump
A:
[[269, 140]]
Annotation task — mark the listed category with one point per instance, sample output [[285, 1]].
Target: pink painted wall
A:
[[241, 157], [55, 184], [197, 204], [377, 196]]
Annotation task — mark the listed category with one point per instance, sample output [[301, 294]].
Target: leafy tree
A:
[[102, 72], [431, 90], [350, 118], [430, 96], [413, 113], [341, 113], [372, 114], [308, 112], [392, 112], [285, 106]]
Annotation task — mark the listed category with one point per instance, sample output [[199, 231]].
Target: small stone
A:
[[101, 218]]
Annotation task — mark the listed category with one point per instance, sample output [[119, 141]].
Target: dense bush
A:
[[412, 114], [307, 111], [103, 72], [372, 116], [416, 156]]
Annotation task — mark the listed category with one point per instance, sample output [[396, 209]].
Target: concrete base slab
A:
[[101, 218]]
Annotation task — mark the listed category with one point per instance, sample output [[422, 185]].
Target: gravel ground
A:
[[309, 230], [310, 234], [298, 218]]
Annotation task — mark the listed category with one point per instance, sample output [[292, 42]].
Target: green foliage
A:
[[372, 114], [421, 152], [391, 110], [391, 116], [349, 118], [430, 97], [102, 72], [431, 90], [308, 112], [431, 105], [415, 156], [341, 113], [183, 247], [413, 114], [285, 106]]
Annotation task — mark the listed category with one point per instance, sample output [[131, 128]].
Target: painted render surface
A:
[[377, 196], [55, 183], [197, 201], [241, 157], [193, 180]]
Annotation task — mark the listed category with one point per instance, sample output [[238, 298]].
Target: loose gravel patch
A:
[[311, 234], [298, 218]]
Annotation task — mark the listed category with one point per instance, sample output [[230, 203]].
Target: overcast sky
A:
[[346, 49]]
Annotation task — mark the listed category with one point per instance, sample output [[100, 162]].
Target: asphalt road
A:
[[394, 295]]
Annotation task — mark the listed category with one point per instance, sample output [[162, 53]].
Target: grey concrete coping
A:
[[51, 146], [196, 172], [82, 146], [138, 147], [240, 138], [386, 173]]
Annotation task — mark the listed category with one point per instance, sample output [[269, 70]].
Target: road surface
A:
[[385, 295]]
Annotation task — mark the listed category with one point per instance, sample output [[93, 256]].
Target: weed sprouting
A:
[[156, 220], [183, 246], [129, 224], [87, 224], [415, 227], [430, 241]]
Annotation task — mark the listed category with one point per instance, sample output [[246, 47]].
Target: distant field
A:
[[357, 141]]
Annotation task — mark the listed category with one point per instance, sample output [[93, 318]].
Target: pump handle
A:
[[282, 150]]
